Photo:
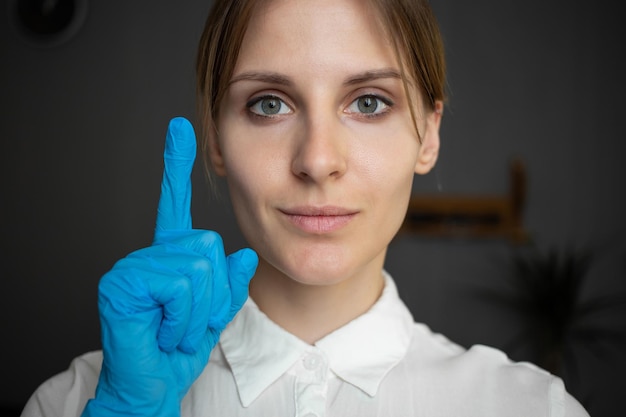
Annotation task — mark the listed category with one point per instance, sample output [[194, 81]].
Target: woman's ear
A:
[[429, 148], [215, 152]]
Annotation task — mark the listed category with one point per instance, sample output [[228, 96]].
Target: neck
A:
[[312, 311]]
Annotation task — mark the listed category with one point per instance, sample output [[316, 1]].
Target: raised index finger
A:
[[174, 212]]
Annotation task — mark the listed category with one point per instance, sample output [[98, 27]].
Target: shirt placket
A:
[[311, 385]]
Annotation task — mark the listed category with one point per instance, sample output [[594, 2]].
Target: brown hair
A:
[[410, 24]]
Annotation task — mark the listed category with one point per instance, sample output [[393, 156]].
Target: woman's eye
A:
[[268, 106], [369, 105]]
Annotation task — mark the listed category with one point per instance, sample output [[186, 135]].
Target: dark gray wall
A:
[[82, 128]]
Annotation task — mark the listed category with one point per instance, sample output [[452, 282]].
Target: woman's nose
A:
[[320, 154]]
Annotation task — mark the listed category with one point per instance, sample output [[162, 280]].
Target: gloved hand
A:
[[162, 308]]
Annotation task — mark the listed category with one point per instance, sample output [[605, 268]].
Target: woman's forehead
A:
[[324, 35]]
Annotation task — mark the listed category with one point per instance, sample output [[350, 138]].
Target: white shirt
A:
[[380, 364]]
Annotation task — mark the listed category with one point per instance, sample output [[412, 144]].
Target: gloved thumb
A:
[[241, 268]]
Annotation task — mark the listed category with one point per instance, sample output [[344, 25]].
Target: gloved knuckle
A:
[[210, 238], [107, 282], [203, 266], [181, 286]]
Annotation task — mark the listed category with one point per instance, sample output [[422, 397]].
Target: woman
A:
[[318, 115]]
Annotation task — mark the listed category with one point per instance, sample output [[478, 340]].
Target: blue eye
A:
[[268, 106], [369, 105]]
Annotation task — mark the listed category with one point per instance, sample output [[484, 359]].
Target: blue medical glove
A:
[[162, 308]]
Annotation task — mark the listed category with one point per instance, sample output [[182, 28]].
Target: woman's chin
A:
[[323, 267]]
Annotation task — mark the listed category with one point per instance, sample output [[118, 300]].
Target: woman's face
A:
[[316, 140]]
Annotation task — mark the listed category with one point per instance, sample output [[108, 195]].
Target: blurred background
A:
[[87, 88]]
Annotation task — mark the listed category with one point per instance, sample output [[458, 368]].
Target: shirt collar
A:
[[361, 353]]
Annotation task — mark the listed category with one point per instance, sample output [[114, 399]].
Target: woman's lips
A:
[[319, 220]]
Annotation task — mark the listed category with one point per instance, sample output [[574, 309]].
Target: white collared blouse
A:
[[380, 364]]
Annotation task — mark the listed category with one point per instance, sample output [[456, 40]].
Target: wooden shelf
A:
[[473, 216]]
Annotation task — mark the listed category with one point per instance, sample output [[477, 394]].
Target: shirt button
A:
[[311, 362]]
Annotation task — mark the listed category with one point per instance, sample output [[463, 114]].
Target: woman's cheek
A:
[[386, 152]]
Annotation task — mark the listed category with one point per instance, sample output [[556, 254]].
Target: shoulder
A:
[[66, 393], [429, 350], [484, 378]]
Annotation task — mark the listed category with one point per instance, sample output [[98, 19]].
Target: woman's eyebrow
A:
[[373, 75], [266, 77], [277, 78]]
